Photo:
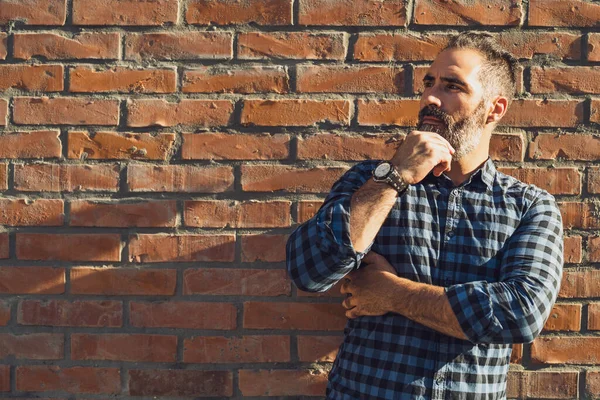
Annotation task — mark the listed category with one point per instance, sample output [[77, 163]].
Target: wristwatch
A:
[[385, 172]]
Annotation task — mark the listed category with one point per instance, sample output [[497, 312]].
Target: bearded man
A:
[[446, 262]]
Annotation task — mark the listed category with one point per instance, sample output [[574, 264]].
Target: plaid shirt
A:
[[495, 245]]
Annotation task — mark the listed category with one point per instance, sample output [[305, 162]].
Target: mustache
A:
[[433, 111]]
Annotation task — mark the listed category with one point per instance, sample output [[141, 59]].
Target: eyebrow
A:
[[449, 79]]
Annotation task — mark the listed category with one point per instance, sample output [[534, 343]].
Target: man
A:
[[445, 261]]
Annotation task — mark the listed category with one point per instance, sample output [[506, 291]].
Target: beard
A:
[[464, 135]]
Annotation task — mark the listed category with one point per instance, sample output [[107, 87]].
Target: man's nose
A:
[[431, 98]]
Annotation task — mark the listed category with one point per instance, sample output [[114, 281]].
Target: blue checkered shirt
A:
[[494, 243]]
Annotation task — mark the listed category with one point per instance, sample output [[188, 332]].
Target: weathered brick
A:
[[580, 284], [263, 247], [551, 384], [180, 314], [544, 113], [4, 378], [3, 177], [224, 146], [564, 317], [83, 79], [34, 12], [5, 312], [223, 12], [69, 247], [32, 280], [283, 382], [39, 212], [246, 79], [236, 282], [181, 248], [31, 144], [570, 147], [526, 44], [122, 215], [123, 281], [291, 46], [33, 346], [349, 79], [295, 112], [593, 248], [3, 111], [120, 146], [66, 178], [178, 383], [179, 46], [159, 112], [554, 180], [594, 316], [593, 47], [318, 348], [516, 356], [124, 347], [46, 78], [566, 350], [354, 12], [573, 80], [398, 47], [593, 179], [65, 111], [43, 378], [245, 349], [307, 209], [4, 245], [233, 214], [296, 316], [124, 12], [592, 384], [270, 178], [388, 112], [3, 45], [572, 250], [54, 46], [79, 313], [553, 13], [345, 147], [507, 147], [179, 178], [579, 215], [497, 12]]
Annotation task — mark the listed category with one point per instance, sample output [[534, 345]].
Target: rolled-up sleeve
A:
[[319, 252], [515, 309]]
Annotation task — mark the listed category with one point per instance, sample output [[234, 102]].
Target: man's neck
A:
[[461, 170]]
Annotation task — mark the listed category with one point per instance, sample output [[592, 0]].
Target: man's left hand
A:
[[370, 289]]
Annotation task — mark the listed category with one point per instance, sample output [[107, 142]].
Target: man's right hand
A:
[[420, 153]]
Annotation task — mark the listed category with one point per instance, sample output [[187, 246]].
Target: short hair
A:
[[499, 72]]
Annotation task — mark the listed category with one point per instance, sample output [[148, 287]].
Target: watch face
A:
[[382, 170]]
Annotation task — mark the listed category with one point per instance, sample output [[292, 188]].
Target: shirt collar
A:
[[484, 174]]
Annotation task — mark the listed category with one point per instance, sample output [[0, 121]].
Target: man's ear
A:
[[498, 109]]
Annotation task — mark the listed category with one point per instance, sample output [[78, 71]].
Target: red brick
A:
[[579, 215], [69, 247], [223, 12], [4, 244], [592, 383], [398, 47], [270, 178], [236, 282], [123, 281], [34, 12], [593, 179], [594, 316], [595, 111], [65, 111], [580, 284], [515, 384], [526, 44], [570, 147], [43, 378], [507, 147], [553, 13], [224, 146], [283, 382], [71, 313], [54, 46], [34, 346], [3, 45], [297, 316], [177, 383], [349, 79], [554, 180], [552, 384], [179, 46], [539, 113], [572, 250], [564, 317], [574, 80], [307, 209], [3, 112], [159, 112], [123, 215], [246, 79], [246, 349], [32, 280], [318, 348], [388, 112], [46, 78], [291, 45], [32, 144], [354, 12], [4, 378], [5, 312], [593, 248], [497, 12], [517, 353], [3, 182], [179, 314], [40, 212], [181, 248], [179, 178], [117, 145], [66, 178], [264, 247], [348, 148], [124, 347], [419, 73], [124, 12], [593, 47], [122, 80], [295, 112], [566, 350], [233, 214]]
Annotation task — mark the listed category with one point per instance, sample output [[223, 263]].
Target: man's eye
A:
[[453, 87], [427, 84]]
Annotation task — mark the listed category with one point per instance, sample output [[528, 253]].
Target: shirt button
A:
[[439, 380], [450, 233]]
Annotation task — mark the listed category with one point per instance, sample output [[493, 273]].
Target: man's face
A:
[[453, 102]]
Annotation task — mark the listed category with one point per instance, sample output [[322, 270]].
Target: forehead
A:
[[463, 64]]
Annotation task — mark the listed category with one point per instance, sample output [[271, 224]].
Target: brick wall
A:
[[155, 154]]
